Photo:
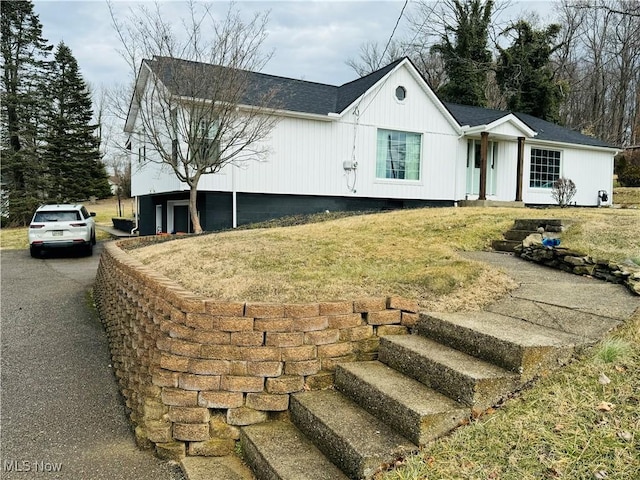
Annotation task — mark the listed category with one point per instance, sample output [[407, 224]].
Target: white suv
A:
[[60, 226]]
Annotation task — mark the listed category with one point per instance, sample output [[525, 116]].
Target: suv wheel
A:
[[89, 249], [34, 251]]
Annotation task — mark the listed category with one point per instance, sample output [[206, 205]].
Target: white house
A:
[[382, 141]]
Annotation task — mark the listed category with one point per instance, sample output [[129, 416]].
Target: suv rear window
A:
[[58, 216]]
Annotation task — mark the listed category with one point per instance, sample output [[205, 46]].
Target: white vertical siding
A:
[[590, 170], [507, 165], [306, 155]]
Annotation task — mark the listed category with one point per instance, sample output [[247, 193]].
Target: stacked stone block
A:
[[193, 370], [626, 273]]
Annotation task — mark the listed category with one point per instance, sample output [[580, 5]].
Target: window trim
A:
[[208, 131], [560, 163], [399, 181], [404, 93]]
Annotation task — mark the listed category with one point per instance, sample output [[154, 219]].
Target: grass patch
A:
[[569, 425], [13, 238], [612, 350], [413, 253], [627, 196]]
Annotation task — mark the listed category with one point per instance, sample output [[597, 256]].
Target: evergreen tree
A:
[[24, 53], [524, 73], [72, 151], [463, 48]]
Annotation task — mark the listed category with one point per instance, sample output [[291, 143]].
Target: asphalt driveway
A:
[[61, 415]]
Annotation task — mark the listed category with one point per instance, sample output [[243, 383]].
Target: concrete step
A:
[[504, 245], [588, 327], [416, 411], [460, 376], [517, 235], [549, 224], [353, 439], [279, 451], [511, 343], [215, 468]]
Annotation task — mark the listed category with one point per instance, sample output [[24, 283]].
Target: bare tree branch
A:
[[198, 104]]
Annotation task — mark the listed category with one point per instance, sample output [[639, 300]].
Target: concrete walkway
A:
[[572, 303], [582, 306], [114, 232]]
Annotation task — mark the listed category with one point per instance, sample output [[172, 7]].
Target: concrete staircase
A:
[[522, 228], [423, 385]]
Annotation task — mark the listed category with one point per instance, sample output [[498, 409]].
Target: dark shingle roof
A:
[[473, 116], [552, 132], [319, 98], [290, 94], [349, 92]]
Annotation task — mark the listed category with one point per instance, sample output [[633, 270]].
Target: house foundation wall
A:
[[216, 208], [193, 370]]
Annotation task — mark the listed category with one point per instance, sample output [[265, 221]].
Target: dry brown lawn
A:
[[626, 196], [413, 253]]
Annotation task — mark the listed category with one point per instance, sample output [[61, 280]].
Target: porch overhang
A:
[[508, 127]]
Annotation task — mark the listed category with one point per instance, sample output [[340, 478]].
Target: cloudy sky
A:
[[311, 40]]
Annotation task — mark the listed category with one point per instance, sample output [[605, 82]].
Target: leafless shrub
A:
[[563, 191]]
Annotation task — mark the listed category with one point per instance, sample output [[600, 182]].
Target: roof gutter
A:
[[614, 150], [328, 117]]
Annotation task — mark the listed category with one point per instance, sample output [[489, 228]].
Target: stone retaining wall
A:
[[193, 369], [625, 273]]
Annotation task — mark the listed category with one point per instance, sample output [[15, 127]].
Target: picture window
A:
[[398, 155], [545, 168]]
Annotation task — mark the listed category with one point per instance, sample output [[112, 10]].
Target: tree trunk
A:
[[193, 210]]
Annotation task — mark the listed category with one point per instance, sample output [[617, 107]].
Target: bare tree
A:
[[197, 104], [599, 63], [371, 57]]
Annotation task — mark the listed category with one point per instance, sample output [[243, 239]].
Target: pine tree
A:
[[24, 53], [463, 48], [72, 151], [524, 73]]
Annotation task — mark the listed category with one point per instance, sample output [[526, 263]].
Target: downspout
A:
[[234, 199], [134, 229], [456, 193], [520, 169]]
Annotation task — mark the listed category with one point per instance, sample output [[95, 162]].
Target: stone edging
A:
[[581, 264], [193, 369]]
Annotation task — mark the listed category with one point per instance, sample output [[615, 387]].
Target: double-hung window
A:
[[545, 167], [208, 142], [398, 155]]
